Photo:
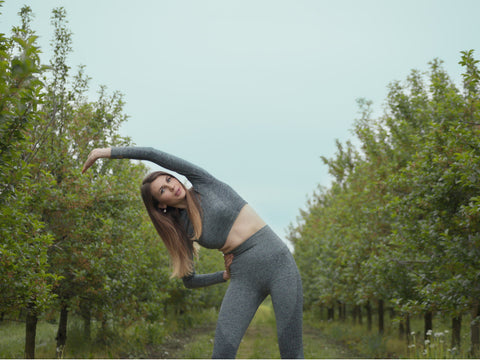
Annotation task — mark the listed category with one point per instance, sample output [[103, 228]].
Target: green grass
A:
[[192, 337], [370, 344], [435, 347], [12, 339], [260, 341], [201, 347], [139, 340]]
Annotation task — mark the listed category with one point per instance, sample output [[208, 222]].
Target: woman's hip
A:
[[261, 256]]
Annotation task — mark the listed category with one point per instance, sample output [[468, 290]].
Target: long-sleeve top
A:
[[219, 202]]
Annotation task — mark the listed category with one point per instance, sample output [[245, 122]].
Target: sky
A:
[[255, 91]]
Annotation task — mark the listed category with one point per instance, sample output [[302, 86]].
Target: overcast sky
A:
[[255, 91]]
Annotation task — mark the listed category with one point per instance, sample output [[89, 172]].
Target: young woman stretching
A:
[[212, 214]]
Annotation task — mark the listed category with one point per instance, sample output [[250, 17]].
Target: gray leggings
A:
[[262, 265]]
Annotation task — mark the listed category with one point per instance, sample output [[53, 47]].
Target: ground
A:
[[259, 342]]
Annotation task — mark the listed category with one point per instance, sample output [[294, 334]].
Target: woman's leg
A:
[[238, 308], [287, 299], [262, 265]]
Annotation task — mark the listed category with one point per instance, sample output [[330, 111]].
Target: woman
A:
[[212, 214]]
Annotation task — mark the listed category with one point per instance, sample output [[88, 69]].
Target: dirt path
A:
[[259, 342]]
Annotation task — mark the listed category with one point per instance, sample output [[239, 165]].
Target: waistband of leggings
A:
[[251, 241]]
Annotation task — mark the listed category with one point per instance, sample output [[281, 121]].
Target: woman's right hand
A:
[[94, 155], [228, 259]]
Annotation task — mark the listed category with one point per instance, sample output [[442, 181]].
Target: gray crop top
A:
[[220, 203]]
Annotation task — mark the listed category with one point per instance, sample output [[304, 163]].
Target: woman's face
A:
[[168, 191]]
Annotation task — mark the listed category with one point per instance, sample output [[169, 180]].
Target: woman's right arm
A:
[[194, 280], [96, 154]]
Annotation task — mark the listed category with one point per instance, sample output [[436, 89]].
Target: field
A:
[[178, 338], [150, 341]]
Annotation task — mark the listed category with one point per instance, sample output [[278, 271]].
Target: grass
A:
[[435, 347], [200, 347], [370, 344], [175, 338], [355, 339], [139, 340], [12, 339], [260, 341]]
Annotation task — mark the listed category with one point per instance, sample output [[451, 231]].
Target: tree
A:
[[26, 281], [80, 243], [399, 223]]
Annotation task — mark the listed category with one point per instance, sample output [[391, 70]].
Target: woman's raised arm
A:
[[96, 154], [168, 161]]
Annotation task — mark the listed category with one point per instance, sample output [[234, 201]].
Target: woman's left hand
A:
[[94, 155], [228, 259]]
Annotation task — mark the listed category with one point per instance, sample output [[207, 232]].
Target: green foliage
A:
[[400, 220], [23, 251], [81, 242]]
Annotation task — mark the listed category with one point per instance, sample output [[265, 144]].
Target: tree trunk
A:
[[401, 328], [475, 331], [368, 307], [87, 328], [30, 331], [103, 336], [380, 317], [456, 331], [341, 311], [86, 316], [428, 318], [355, 313], [62, 331], [360, 319], [331, 313], [392, 313], [408, 330]]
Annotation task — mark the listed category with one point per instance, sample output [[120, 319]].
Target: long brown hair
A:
[[170, 228]]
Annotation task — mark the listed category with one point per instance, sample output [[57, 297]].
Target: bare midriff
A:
[[247, 223]]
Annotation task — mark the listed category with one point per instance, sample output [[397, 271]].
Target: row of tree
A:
[[71, 242], [399, 225]]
